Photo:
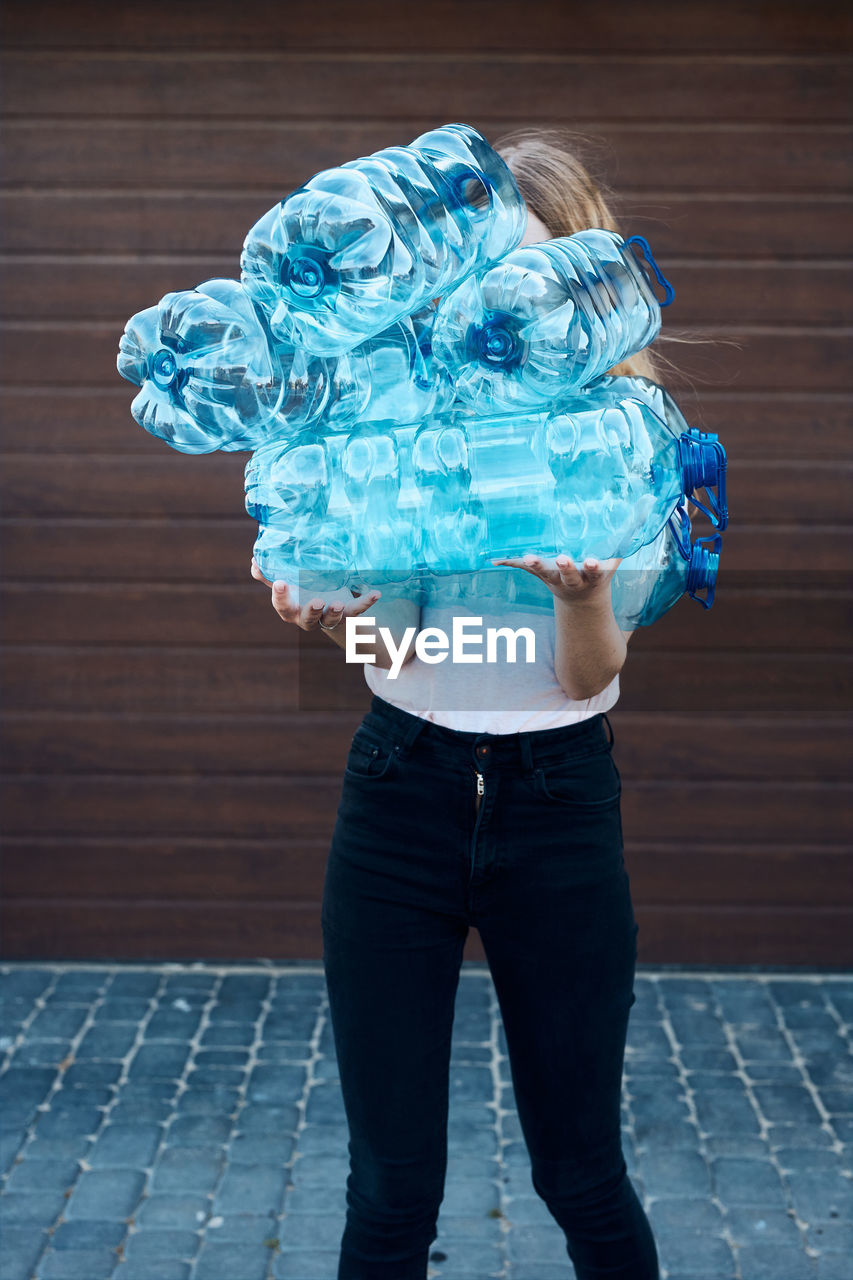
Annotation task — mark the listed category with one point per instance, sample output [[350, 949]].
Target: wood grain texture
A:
[[799, 158], [704, 26], [172, 753]]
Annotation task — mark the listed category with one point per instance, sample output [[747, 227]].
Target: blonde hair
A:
[[560, 190]]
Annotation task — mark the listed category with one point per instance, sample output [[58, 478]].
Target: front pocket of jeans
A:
[[369, 757], [588, 783]]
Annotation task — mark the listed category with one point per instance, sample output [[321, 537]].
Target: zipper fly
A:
[[481, 790]]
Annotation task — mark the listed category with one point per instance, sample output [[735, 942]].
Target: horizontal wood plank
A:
[[83, 804], [782, 426], [736, 358], [758, 224], [306, 85], [706, 26], [763, 612], [647, 746], [801, 158], [246, 869], [65, 549], [169, 483], [115, 286], [262, 681], [158, 931]]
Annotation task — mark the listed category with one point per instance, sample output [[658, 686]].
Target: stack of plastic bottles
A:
[[420, 395]]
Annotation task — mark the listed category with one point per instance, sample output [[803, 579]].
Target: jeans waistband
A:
[[530, 749]]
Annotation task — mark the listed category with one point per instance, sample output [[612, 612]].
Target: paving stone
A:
[[34, 1175], [112, 1010], [90, 1073], [166, 1270], [88, 1233], [232, 1262], [187, 1169], [57, 1022], [163, 1059], [173, 1025], [64, 1123], [757, 1224], [168, 1243], [797, 1135], [126, 1146], [215, 1078], [833, 1266], [831, 1236], [209, 1102], [269, 1119], [773, 1262], [838, 1102], [25, 1084], [227, 1033], [741, 1181], [470, 1196], [77, 1264], [721, 1112], [28, 983], [11, 1141], [42, 1053], [179, 1210], [678, 1174], [799, 1158], [786, 1103], [307, 1198], [695, 1251], [254, 1227], [305, 1264], [250, 1188], [251, 1148], [820, 1196], [112, 1194], [39, 1207], [22, 1246], [275, 1085], [198, 1131], [107, 1040]]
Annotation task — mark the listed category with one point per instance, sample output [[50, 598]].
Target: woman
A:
[[487, 795]]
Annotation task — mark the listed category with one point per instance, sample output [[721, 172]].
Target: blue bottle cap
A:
[[703, 466]]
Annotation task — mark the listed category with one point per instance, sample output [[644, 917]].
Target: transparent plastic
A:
[[213, 377], [546, 319], [396, 504], [364, 244]]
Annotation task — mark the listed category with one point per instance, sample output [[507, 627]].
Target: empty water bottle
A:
[[208, 376], [546, 319], [360, 246], [212, 376], [649, 582], [644, 586], [381, 503]]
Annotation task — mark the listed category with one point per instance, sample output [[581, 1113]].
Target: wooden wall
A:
[[172, 752]]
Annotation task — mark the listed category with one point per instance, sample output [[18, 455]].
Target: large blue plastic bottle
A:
[[546, 319], [394, 504], [208, 375], [360, 246], [649, 582], [213, 377]]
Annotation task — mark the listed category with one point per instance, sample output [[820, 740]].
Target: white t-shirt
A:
[[489, 697]]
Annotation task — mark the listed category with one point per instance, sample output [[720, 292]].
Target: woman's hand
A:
[[309, 615], [587, 585]]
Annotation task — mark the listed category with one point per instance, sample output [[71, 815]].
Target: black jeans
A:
[[535, 863]]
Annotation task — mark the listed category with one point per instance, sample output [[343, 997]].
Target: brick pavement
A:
[[185, 1122]]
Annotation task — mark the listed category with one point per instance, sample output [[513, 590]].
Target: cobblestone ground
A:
[[185, 1122]]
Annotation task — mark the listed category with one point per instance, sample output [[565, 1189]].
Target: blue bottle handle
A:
[[669, 292]]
